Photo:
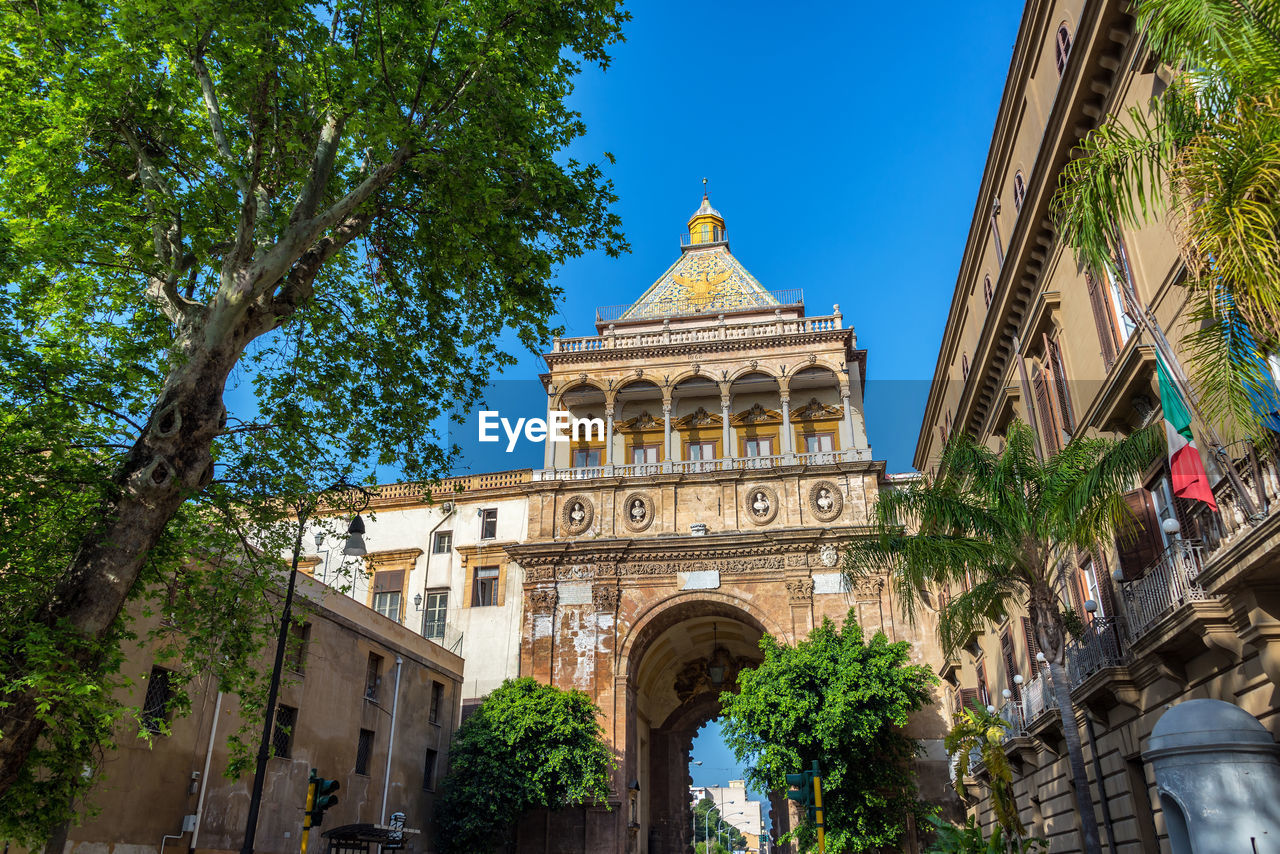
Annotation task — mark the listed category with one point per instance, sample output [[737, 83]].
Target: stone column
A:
[[848, 421], [666, 435], [728, 452], [787, 438], [608, 437]]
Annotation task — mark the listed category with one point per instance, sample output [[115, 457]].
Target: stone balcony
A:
[[728, 464]]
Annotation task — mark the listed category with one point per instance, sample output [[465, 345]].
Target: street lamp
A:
[[354, 547]]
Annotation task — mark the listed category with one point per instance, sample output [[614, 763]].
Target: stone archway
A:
[[679, 667]]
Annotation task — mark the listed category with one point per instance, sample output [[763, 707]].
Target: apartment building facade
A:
[[365, 701], [1184, 607]]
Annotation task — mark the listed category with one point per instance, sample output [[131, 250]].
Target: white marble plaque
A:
[[703, 579], [830, 582], [573, 593]]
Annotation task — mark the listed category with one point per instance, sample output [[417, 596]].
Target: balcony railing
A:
[[1099, 648], [1167, 584], [704, 236], [710, 305], [817, 458]]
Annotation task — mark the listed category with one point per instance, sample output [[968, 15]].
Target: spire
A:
[[706, 225]]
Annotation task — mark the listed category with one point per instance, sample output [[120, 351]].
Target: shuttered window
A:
[[1102, 320], [1060, 385], [1033, 645], [969, 698], [984, 694], [1139, 543], [986, 290], [1050, 436], [1010, 665]]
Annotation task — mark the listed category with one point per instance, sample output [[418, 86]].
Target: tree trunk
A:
[[1075, 756], [171, 460]]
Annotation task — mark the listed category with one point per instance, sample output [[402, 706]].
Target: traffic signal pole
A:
[[306, 814], [817, 805]]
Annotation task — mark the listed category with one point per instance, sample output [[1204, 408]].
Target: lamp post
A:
[[355, 547]]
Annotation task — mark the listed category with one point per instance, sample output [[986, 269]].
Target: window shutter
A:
[[1102, 320], [1076, 588], [969, 699], [1060, 384], [1140, 544], [1010, 665], [1103, 575], [1051, 436], [1028, 404], [388, 581], [1033, 645]]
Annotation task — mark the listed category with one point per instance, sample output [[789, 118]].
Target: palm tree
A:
[[1204, 157], [1003, 527]]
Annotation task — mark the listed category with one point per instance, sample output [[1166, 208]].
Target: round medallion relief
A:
[[637, 512], [825, 501], [577, 514], [829, 555], [761, 504]]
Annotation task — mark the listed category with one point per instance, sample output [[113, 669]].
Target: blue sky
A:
[[844, 144]]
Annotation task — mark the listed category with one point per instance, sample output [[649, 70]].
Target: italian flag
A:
[[1189, 478]]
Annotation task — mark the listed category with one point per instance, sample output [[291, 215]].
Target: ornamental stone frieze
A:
[[799, 590], [543, 599], [606, 597]]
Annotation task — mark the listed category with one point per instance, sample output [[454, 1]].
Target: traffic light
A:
[[806, 789], [802, 791], [320, 797]]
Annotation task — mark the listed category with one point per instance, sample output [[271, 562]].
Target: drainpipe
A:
[[204, 775], [426, 565], [391, 741], [166, 838]]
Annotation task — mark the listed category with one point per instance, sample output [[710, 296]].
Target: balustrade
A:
[[703, 466], [778, 326]]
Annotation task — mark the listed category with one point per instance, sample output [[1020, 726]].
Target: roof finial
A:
[[706, 194]]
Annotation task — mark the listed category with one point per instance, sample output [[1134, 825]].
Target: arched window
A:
[[986, 290], [964, 365], [1062, 47], [1019, 190]]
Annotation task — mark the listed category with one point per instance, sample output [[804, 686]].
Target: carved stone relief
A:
[[761, 504], [638, 512], [799, 590], [577, 514], [825, 501]]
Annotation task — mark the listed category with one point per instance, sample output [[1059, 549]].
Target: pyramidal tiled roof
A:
[[703, 280]]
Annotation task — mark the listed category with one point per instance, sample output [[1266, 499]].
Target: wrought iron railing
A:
[[1098, 648], [704, 236], [1167, 584]]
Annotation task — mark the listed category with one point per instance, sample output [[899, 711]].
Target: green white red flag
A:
[[1187, 471]]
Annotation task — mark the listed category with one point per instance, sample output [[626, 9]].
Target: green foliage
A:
[[993, 527], [994, 531], [706, 819], [528, 746], [1203, 156], [348, 214], [977, 729], [1073, 623], [968, 839], [843, 701]]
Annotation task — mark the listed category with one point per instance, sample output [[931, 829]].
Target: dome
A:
[[705, 209], [1198, 723]]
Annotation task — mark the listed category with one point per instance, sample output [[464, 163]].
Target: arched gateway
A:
[[732, 468]]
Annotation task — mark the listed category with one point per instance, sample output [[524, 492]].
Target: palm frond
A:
[[1238, 40], [984, 604], [1085, 502]]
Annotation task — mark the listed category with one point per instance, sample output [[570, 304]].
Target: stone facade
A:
[[648, 558], [1186, 606], [172, 793]]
